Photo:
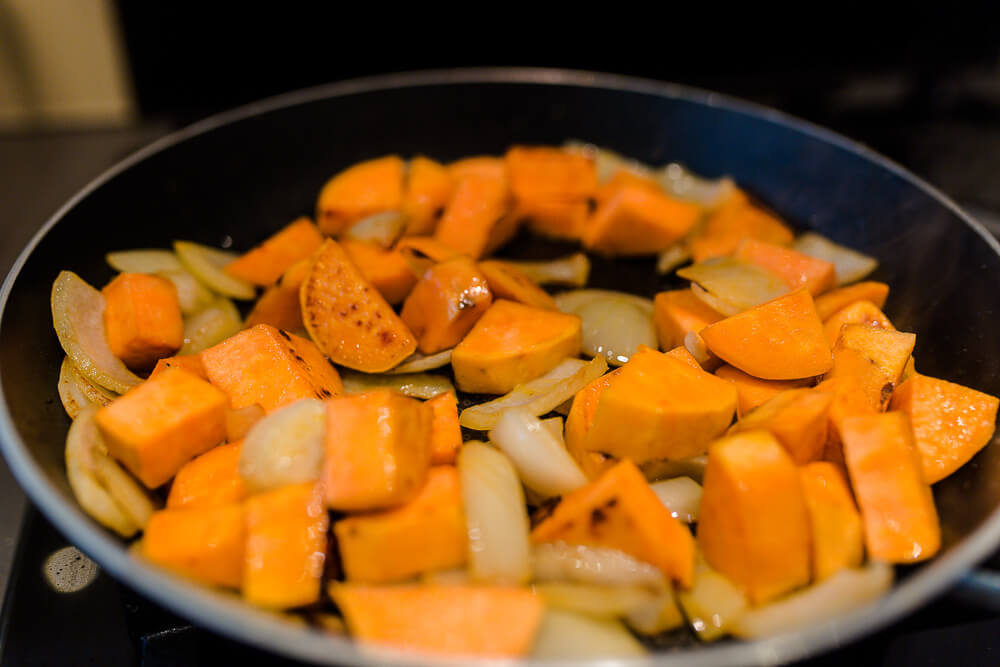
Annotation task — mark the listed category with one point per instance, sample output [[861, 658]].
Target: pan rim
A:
[[233, 618]]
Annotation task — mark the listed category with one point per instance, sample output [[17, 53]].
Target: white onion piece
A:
[[695, 344], [558, 561], [681, 495], [214, 324], [572, 270], [668, 260], [740, 284], [538, 396], [554, 425], [571, 302], [659, 614], [417, 385], [417, 363], [684, 184], [495, 515], [285, 447], [95, 394], [191, 294], [73, 399], [614, 329], [381, 228], [208, 264], [541, 460], [597, 600], [693, 467], [568, 636], [843, 592], [78, 318], [144, 261], [850, 265], [713, 604], [715, 303]]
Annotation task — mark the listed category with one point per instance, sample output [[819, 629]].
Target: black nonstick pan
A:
[[235, 178]]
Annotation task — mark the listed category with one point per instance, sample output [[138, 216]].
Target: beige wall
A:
[[62, 63]]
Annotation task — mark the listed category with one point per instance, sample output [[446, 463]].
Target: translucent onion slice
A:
[[78, 317], [541, 460], [607, 162], [568, 636], [739, 284], [73, 399], [95, 394], [558, 561], [614, 328], [207, 265], [538, 396], [659, 614], [695, 344], [714, 302], [713, 605], [143, 261], [597, 600], [191, 294], [554, 425], [417, 363], [672, 257], [210, 326], [681, 495], [849, 264], [693, 467], [495, 514], [417, 385], [571, 271], [571, 302], [381, 228], [285, 447], [684, 184], [843, 592]]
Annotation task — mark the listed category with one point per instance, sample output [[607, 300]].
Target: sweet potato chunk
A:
[[618, 510], [285, 547], [680, 353], [428, 189], [513, 343], [829, 303], [950, 422], [638, 221], [793, 267], [449, 620], [733, 222], [426, 534], [578, 423], [782, 339], [555, 219], [875, 356], [209, 480], [849, 400], [752, 392], [797, 418], [163, 423], [676, 313], [391, 467], [446, 434], [445, 304], [897, 508], [477, 219], [189, 362], [543, 173], [672, 410], [264, 264], [142, 319], [386, 270], [347, 318], [270, 367], [204, 543], [278, 307], [358, 191], [859, 312], [483, 166], [753, 525], [837, 541], [508, 282]]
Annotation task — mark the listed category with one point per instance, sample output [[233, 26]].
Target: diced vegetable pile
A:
[[758, 459]]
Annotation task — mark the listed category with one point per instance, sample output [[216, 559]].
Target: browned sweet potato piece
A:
[[445, 304], [264, 264], [875, 356], [387, 270], [358, 191], [428, 188], [478, 217], [859, 312]]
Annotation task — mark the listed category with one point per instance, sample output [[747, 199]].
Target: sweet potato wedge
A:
[[478, 219], [676, 313], [428, 188], [793, 267], [837, 540], [542, 173], [142, 319], [278, 307], [733, 222], [797, 418], [829, 303], [209, 480], [386, 270], [189, 362], [859, 312], [482, 166], [876, 356], [348, 319], [638, 221], [513, 343], [360, 190], [752, 392], [445, 304], [204, 543], [578, 423], [564, 220], [446, 434], [849, 400], [265, 263], [508, 282]]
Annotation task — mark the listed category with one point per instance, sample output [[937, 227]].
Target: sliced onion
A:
[[191, 294], [381, 228], [143, 261], [571, 302], [713, 605], [541, 460], [210, 326], [739, 284], [849, 264], [607, 162], [695, 344], [417, 385], [286, 447], [417, 363], [572, 271], [693, 467], [73, 399], [538, 396], [594, 599], [715, 303], [668, 260], [568, 636], [554, 425], [681, 495], [659, 614], [558, 561], [615, 328], [94, 393], [78, 317], [208, 264], [843, 592], [495, 514], [684, 184]]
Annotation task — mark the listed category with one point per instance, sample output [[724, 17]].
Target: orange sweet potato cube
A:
[[752, 392], [446, 434], [578, 423], [797, 418], [735, 221], [830, 302], [477, 218], [837, 540], [638, 221], [142, 319], [378, 450], [189, 362], [677, 313], [278, 307], [428, 187], [426, 534], [204, 543], [544, 173], [386, 270], [209, 480], [360, 190], [859, 312], [447, 301], [162, 424], [264, 264], [874, 356], [271, 367], [285, 547]]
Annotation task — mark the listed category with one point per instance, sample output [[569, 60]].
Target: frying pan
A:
[[236, 177]]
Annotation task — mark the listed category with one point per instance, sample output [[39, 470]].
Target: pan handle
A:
[[981, 588]]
